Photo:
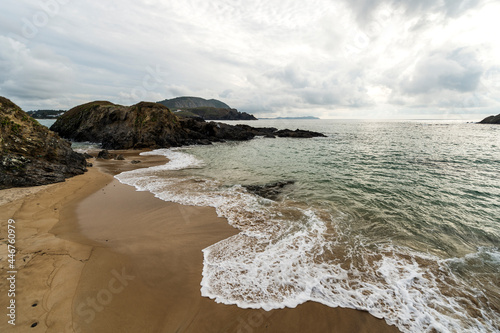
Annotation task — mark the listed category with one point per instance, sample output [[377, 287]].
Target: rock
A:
[[105, 155], [135, 162], [298, 134], [31, 154], [120, 157], [152, 125], [491, 120], [87, 156], [269, 191], [121, 127]]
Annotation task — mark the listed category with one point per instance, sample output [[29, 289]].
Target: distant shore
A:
[[94, 255]]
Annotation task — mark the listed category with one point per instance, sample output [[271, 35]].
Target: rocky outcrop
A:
[[491, 120], [142, 125], [151, 125], [295, 134], [30, 154]]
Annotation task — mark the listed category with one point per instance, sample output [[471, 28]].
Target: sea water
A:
[[397, 218]]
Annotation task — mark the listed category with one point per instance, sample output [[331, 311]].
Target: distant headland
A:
[[211, 109], [491, 120]]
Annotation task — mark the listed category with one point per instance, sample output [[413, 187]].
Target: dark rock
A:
[[120, 157], [135, 162], [121, 127], [87, 156], [269, 191], [105, 155], [298, 134], [491, 120], [30, 154]]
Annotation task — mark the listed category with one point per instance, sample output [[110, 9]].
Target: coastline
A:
[[123, 260]]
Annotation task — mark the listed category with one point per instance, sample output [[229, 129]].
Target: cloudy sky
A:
[[326, 58]]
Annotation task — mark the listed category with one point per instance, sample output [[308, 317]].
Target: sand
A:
[[95, 255]]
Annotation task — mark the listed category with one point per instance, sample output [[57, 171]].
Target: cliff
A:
[[30, 154], [151, 125], [491, 120]]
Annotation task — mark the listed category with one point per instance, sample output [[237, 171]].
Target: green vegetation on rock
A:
[[30, 154]]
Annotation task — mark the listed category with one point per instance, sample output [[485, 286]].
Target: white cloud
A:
[[322, 57]]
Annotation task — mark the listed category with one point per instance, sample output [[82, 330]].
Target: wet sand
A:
[[102, 257]]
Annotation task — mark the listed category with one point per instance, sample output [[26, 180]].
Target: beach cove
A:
[[95, 255]]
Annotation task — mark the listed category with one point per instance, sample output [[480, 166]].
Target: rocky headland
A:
[[491, 120], [208, 109], [31, 154], [193, 102], [152, 125]]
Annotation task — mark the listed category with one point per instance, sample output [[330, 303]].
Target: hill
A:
[[193, 102], [211, 109], [31, 154]]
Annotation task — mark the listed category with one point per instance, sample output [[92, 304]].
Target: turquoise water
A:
[[401, 219]]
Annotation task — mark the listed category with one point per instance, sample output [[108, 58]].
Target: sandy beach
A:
[[94, 255]]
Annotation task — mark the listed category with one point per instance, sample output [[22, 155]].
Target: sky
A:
[[373, 59]]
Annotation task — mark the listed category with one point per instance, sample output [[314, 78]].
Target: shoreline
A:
[[123, 260]]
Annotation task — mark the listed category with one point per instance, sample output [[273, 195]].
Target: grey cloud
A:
[[262, 56], [226, 93], [290, 75], [364, 9], [32, 74], [457, 71]]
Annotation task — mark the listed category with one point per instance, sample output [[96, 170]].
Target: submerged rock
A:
[[269, 191], [31, 154]]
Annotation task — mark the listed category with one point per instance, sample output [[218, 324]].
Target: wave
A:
[[287, 254]]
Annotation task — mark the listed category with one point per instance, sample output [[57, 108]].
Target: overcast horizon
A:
[[331, 59]]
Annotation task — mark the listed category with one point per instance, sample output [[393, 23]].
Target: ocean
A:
[[397, 218]]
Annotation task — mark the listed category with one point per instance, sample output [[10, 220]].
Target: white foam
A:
[[177, 160], [278, 262]]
